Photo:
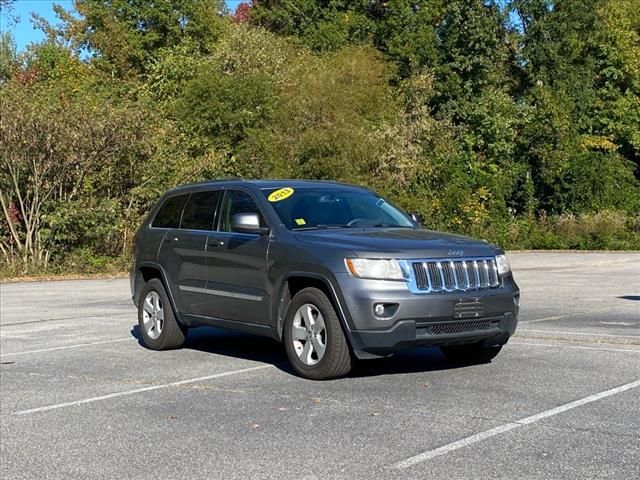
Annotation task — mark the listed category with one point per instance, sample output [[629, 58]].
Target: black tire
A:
[[336, 360], [172, 334], [470, 354]]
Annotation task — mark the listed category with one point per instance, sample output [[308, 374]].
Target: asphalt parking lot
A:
[[80, 398]]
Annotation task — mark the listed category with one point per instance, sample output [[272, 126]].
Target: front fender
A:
[[328, 280]]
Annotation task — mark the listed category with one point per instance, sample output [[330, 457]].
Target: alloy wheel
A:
[[309, 334], [153, 315]]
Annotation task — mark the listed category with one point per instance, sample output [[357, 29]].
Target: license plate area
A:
[[467, 308]]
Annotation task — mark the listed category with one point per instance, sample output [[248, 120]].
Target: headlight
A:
[[380, 269], [503, 264]]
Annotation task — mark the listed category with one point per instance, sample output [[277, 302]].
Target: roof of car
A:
[[264, 183]]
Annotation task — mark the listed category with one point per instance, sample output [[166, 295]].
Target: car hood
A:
[[398, 243]]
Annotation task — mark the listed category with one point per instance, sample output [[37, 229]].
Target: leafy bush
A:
[[605, 230], [79, 223]]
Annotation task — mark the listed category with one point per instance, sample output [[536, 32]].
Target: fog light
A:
[[385, 310]]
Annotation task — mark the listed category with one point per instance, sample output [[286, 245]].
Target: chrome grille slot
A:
[[493, 274], [455, 275], [484, 275], [476, 275], [461, 277], [420, 274], [434, 276], [447, 272]]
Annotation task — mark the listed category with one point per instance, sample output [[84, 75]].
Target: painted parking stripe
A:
[[65, 347], [547, 319], [60, 319], [580, 347], [139, 390], [595, 334], [478, 437]]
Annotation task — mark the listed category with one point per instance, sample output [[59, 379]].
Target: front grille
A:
[[460, 327], [452, 275]]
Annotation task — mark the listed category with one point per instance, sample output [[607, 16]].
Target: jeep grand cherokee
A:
[[334, 271]]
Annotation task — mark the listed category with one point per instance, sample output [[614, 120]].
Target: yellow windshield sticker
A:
[[300, 221], [280, 194]]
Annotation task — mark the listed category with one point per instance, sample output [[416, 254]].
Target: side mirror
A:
[[416, 218], [248, 223]]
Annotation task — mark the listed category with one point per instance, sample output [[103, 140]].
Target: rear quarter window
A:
[[168, 215]]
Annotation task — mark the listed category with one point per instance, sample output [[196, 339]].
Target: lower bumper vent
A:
[[448, 328]]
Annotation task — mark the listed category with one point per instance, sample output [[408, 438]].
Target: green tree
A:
[[583, 103], [618, 77], [125, 35], [324, 25], [475, 52], [326, 110], [8, 57], [59, 133], [406, 30], [222, 108]]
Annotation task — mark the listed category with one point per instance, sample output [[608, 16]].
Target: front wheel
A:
[[470, 354], [313, 337]]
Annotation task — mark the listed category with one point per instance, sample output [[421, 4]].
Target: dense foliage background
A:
[[517, 121]]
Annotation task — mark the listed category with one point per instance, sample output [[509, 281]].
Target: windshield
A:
[[327, 207]]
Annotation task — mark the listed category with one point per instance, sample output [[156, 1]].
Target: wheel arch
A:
[[293, 282], [148, 271]]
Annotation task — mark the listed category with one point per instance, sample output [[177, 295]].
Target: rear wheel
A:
[[157, 323], [313, 337], [471, 354]]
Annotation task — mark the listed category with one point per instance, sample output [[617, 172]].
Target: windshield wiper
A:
[[380, 225], [392, 225], [325, 226], [322, 226]]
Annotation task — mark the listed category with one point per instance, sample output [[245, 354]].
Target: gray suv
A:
[[334, 271]]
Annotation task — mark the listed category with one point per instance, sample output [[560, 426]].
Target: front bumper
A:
[[426, 319], [409, 333]]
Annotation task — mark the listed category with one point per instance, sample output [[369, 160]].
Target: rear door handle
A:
[[215, 243], [171, 239]]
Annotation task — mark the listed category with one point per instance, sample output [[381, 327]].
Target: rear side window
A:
[[200, 210], [169, 214]]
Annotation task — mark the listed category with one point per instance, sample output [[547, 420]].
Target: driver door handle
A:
[[215, 243]]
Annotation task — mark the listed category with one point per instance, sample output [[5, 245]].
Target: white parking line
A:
[[139, 390], [545, 319], [65, 347], [512, 342], [478, 437], [60, 319], [579, 333], [620, 324]]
